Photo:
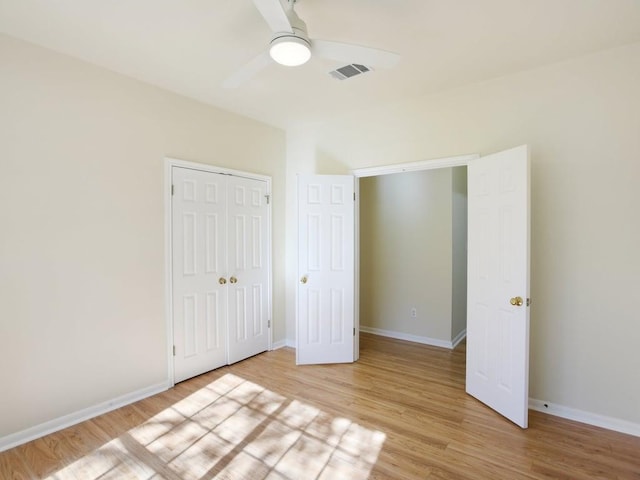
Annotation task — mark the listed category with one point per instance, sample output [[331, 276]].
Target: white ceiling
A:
[[191, 46]]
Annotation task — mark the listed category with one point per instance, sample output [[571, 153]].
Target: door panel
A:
[[248, 269], [498, 271], [198, 251], [220, 231], [326, 268]]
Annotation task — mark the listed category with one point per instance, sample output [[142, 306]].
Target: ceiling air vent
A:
[[348, 71]]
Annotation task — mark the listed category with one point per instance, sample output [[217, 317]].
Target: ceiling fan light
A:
[[290, 50]]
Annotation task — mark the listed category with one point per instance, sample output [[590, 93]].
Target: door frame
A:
[[421, 165], [169, 163]]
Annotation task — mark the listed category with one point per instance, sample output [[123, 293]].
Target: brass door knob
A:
[[304, 279], [516, 301], [222, 280], [233, 280]]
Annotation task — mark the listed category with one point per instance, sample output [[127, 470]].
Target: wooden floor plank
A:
[[400, 412], [12, 466]]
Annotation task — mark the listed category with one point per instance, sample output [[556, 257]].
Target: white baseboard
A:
[[279, 344], [24, 436], [398, 335], [458, 338], [434, 342], [283, 343], [610, 423]]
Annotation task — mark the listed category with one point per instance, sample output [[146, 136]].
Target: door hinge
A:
[[354, 331], [268, 323], [268, 197], [174, 350], [172, 189], [354, 196]]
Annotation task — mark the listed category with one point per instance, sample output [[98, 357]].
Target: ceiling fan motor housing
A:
[[291, 48]]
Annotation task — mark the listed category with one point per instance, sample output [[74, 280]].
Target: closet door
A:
[[199, 232], [248, 267]]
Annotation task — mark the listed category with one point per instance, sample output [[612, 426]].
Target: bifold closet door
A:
[[248, 267], [221, 265], [199, 232]]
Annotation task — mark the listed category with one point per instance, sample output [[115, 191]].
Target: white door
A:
[[220, 270], [498, 282], [248, 257], [326, 269], [199, 261]]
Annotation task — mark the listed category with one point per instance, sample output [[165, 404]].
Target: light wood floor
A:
[[400, 412]]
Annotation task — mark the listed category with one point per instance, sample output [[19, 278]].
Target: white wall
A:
[[581, 120], [82, 315], [406, 253]]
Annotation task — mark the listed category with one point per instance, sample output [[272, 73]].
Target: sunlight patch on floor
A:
[[235, 429]]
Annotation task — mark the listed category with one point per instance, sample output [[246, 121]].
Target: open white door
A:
[[498, 283], [326, 269]]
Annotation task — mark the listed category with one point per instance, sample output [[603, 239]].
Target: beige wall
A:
[[406, 253], [81, 250], [82, 316], [459, 252], [581, 121]]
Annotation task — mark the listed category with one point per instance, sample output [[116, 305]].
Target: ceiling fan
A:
[[291, 46]]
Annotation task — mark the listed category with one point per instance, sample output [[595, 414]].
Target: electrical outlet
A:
[[414, 312]]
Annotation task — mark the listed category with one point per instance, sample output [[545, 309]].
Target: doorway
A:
[[413, 236], [498, 268]]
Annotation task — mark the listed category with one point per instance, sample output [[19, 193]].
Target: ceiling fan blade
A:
[[248, 71], [274, 14], [348, 53]]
